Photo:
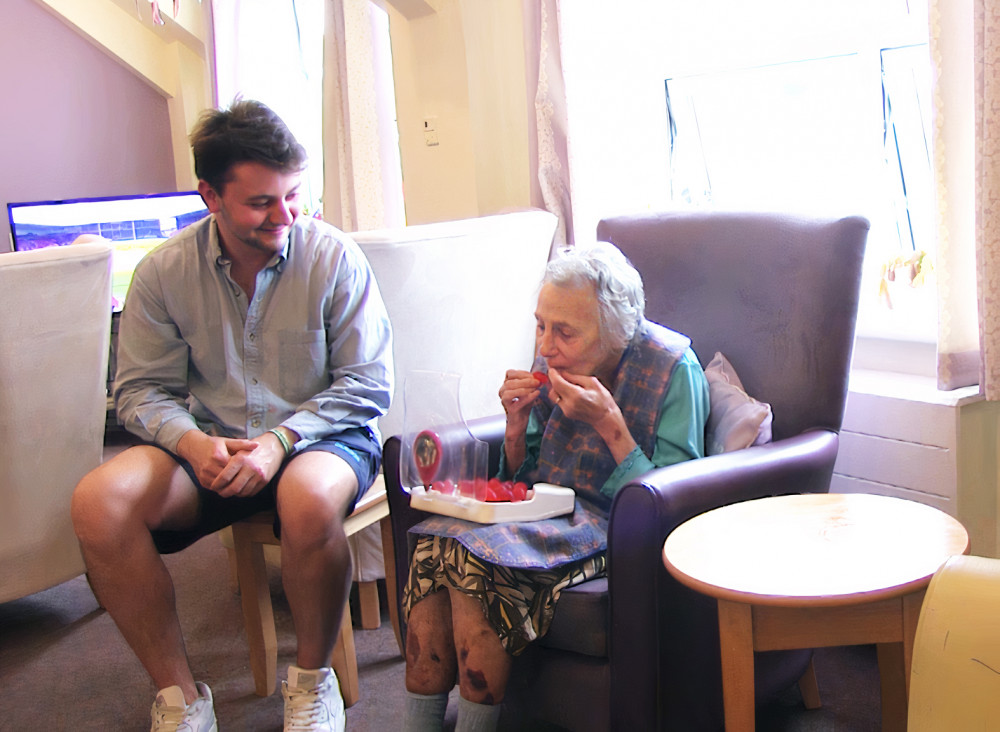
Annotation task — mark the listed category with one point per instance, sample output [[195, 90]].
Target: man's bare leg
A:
[[313, 495], [114, 508]]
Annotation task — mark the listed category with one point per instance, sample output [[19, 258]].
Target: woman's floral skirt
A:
[[518, 603]]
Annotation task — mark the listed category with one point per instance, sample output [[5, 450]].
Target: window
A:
[[274, 54], [790, 105]]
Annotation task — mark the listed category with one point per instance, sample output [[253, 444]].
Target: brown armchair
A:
[[778, 296]]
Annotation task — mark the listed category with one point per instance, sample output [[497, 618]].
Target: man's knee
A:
[[90, 508], [318, 490]]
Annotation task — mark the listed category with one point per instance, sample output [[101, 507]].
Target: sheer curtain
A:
[[325, 67], [587, 63], [363, 178], [273, 52], [550, 186]]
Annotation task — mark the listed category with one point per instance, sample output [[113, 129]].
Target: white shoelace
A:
[[167, 719], [176, 719], [305, 709]]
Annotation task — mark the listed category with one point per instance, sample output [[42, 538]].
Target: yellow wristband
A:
[[283, 440]]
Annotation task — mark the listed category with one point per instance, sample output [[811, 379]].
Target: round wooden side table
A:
[[814, 570]]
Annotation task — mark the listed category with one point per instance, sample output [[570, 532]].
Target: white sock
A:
[[425, 712], [474, 717]]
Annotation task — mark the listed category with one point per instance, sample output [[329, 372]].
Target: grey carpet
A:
[[63, 665]]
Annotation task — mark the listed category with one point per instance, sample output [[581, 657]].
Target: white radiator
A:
[[902, 437]]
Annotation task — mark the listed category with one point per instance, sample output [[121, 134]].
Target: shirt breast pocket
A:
[[302, 364]]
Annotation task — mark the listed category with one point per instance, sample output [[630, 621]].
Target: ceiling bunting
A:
[[155, 7]]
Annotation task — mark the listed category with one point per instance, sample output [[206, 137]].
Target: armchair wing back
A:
[[54, 340], [778, 296]]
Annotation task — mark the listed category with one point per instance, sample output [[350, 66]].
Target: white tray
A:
[[548, 501]]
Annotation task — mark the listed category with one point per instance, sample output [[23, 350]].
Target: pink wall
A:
[[73, 121]]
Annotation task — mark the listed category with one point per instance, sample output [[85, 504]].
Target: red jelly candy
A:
[[540, 376]]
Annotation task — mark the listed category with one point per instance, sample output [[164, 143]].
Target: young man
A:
[[254, 357]]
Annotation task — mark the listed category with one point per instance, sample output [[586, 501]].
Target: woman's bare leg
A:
[[431, 665], [483, 664]]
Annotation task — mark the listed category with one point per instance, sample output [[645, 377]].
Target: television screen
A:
[[133, 224]]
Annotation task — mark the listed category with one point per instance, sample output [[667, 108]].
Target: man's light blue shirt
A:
[[311, 350]]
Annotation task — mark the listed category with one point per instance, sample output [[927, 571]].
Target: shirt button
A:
[[255, 423], [253, 381], [252, 337]]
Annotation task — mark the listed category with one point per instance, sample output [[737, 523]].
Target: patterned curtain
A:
[[987, 75], [965, 49]]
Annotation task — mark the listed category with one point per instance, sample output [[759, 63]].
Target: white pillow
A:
[[736, 420]]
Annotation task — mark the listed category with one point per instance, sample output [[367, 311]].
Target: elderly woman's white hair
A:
[[618, 285]]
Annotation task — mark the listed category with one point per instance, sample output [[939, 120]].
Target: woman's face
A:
[[568, 331]]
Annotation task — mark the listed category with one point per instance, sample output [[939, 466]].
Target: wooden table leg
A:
[[736, 639], [911, 615], [894, 662], [893, 682], [809, 688]]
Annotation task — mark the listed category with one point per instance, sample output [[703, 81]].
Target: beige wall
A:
[[459, 65]]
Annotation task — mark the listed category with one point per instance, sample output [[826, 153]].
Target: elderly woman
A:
[[623, 395]]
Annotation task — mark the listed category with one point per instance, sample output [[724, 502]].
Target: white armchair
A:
[[461, 299], [55, 325]]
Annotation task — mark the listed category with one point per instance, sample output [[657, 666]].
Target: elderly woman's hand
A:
[[586, 399], [517, 393], [583, 398]]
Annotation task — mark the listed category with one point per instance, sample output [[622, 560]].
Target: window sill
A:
[[910, 387], [895, 356]]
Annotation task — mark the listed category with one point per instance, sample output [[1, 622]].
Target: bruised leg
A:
[[431, 665], [483, 664]]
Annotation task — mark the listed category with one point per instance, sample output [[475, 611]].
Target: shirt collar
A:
[[221, 260]]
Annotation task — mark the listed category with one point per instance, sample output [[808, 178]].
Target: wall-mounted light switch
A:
[[430, 132]]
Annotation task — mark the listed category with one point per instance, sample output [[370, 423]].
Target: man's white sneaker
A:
[[313, 701], [171, 714]]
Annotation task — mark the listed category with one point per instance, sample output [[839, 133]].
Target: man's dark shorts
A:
[[358, 447]]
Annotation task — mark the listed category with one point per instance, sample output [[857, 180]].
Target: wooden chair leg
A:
[[258, 614], [345, 662], [809, 688], [388, 554], [234, 575], [371, 615], [250, 539]]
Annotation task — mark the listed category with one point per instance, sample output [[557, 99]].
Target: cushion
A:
[[580, 623], [736, 420]]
